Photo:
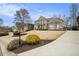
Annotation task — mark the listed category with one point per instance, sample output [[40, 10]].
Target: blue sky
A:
[[35, 10]]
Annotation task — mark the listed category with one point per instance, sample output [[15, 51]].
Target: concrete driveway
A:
[[66, 45]]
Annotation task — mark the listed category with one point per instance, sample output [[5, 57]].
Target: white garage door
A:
[[52, 27]]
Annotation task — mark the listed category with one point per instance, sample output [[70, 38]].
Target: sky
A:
[[7, 10]]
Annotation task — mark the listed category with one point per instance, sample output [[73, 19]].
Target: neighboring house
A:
[[26, 27], [53, 23], [5, 29]]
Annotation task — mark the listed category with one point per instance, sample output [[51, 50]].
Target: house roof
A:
[[49, 19], [55, 18], [41, 18]]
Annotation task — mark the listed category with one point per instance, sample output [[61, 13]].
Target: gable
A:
[[55, 20]]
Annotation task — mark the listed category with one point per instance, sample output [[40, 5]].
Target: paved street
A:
[[66, 45]]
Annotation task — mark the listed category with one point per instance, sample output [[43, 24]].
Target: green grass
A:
[[4, 33]]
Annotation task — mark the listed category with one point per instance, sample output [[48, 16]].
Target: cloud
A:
[[8, 9], [45, 13], [36, 10]]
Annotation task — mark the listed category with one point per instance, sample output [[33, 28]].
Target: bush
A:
[[32, 39], [15, 44], [4, 33]]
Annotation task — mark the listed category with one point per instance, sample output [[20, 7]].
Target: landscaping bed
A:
[[27, 47]]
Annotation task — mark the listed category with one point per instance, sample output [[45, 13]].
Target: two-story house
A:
[[53, 23]]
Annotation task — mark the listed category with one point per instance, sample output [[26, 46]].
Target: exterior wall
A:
[[42, 25], [25, 28], [28, 27]]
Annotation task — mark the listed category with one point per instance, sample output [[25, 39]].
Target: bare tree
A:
[[22, 17], [65, 22], [78, 21], [74, 12], [68, 20], [1, 22]]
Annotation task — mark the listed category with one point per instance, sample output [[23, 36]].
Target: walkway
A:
[[3, 44], [66, 45]]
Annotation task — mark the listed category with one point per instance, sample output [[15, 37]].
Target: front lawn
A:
[[4, 33]]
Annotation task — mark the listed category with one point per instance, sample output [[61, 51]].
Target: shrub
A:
[[15, 44], [32, 39], [4, 33]]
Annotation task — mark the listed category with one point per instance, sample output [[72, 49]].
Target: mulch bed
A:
[[29, 47]]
